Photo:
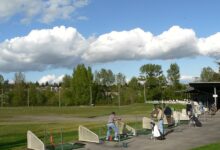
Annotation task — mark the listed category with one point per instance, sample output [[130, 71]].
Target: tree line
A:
[[102, 87]]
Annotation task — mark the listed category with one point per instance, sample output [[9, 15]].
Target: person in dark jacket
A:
[[189, 109], [168, 112]]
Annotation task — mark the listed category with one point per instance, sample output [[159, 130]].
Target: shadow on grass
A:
[[10, 145]]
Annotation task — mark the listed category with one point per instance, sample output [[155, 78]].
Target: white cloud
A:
[[210, 46], [187, 78], [8, 9], [62, 47], [84, 18], [11, 82], [138, 44], [43, 49], [44, 10], [51, 79]]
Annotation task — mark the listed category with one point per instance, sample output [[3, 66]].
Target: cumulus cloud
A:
[[65, 47], [138, 44], [84, 18], [210, 46], [43, 49], [51, 79], [45, 11], [187, 78]]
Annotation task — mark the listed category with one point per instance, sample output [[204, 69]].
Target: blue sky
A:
[[191, 38]]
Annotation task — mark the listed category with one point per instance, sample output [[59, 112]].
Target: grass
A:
[[80, 111], [13, 125], [213, 146]]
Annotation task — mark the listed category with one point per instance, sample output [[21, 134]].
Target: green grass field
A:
[[213, 146], [43, 121]]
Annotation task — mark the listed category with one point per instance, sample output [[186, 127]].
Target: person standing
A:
[[201, 108], [189, 109], [160, 120], [168, 112], [111, 126]]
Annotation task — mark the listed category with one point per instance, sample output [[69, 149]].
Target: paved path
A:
[[183, 138]]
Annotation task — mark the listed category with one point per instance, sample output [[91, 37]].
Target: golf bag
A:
[[196, 121], [156, 132]]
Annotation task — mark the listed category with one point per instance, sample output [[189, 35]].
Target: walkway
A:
[[183, 138]]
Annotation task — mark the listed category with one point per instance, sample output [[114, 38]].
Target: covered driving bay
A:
[[206, 92]]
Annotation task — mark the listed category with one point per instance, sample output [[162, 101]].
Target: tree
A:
[[1, 80], [218, 63], [19, 95], [104, 77], [19, 78], [153, 75], [1, 88], [151, 70], [66, 83], [155, 80], [133, 93], [216, 76], [207, 74], [120, 79], [81, 82], [66, 92], [173, 75], [32, 92], [120, 82], [134, 84]]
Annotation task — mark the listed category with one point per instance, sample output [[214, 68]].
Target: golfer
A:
[[111, 125]]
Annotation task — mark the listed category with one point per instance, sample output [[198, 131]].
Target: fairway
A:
[[44, 121]]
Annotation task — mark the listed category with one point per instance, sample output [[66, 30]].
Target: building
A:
[[206, 92]]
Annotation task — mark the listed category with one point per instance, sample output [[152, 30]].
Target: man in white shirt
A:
[[111, 125]]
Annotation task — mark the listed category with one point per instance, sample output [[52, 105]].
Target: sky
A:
[[46, 39]]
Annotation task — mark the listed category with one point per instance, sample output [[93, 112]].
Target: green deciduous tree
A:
[[216, 77], [1, 90], [19, 94], [66, 92], [81, 82], [120, 79], [151, 70], [155, 80], [173, 75], [104, 79], [134, 92], [134, 84], [1, 80], [207, 74]]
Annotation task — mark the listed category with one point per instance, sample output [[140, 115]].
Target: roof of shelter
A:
[[205, 86]]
